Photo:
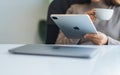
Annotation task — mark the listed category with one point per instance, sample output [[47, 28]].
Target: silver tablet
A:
[[74, 26], [74, 51]]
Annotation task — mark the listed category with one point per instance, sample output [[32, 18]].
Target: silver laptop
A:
[[75, 51], [74, 26]]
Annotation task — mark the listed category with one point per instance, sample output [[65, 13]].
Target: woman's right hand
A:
[[91, 13]]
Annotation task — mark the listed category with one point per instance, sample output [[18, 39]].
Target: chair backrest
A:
[[57, 7]]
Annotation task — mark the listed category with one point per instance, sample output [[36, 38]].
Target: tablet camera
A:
[[55, 18], [76, 28]]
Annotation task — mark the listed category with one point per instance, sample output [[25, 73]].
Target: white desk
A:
[[106, 63]]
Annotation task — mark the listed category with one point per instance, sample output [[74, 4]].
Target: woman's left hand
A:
[[91, 13], [98, 39]]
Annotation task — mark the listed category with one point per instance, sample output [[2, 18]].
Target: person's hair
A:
[[111, 3]]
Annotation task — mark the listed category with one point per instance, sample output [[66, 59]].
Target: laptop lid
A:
[[56, 50]]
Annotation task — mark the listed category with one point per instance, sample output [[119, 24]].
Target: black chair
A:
[[57, 7]]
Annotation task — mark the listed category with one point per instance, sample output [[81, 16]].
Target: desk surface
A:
[[106, 63]]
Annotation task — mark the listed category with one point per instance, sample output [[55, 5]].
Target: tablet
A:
[[74, 51], [74, 26]]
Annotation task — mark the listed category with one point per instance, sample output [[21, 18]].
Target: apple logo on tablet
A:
[[76, 28]]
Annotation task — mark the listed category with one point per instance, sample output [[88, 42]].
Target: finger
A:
[[93, 38], [93, 18], [88, 36], [91, 12], [98, 38]]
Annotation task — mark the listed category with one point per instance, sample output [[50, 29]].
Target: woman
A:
[[108, 31]]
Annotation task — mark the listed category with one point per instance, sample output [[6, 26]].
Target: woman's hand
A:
[[91, 13], [98, 39]]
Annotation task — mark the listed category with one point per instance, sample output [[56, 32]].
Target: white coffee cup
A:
[[104, 14]]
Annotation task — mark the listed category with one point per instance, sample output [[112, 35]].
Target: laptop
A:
[[74, 51], [74, 26]]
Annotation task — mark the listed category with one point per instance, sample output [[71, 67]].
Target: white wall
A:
[[19, 20]]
